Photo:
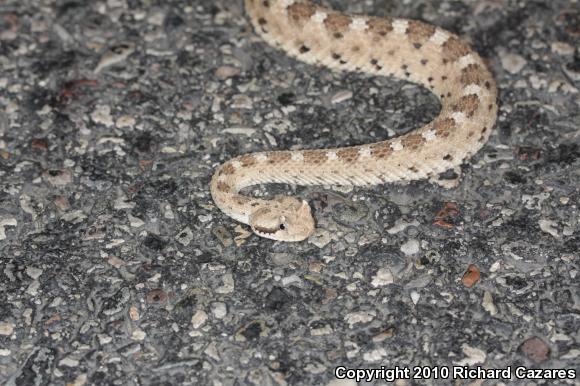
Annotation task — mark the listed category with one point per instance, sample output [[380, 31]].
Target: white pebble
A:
[[550, 227], [69, 362], [198, 319], [4, 222], [6, 328], [359, 317], [219, 310], [382, 278], [375, 355], [33, 272], [415, 296], [125, 121], [228, 284], [512, 63], [138, 335], [341, 96], [411, 247], [488, 303], [473, 356], [102, 115]]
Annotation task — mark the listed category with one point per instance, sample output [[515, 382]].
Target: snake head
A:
[[286, 219]]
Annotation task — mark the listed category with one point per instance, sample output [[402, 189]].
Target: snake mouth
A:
[[265, 231]]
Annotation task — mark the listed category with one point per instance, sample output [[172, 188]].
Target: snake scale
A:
[[407, 49]]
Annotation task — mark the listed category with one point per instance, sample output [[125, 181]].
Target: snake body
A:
[[406, 49]]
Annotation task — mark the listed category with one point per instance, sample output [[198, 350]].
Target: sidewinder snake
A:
[[407, 49]]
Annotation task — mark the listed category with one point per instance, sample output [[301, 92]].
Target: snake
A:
[[406, 49]]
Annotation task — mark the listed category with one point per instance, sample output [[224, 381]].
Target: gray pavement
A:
[[117, 269]]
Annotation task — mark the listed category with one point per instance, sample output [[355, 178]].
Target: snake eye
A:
[[282, 227]]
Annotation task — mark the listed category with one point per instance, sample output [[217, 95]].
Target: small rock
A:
[[384, 335], [242, 235], [228, 284], [342, 382], [185, 236], [58, 177], [411, 247], [212, 351], [315, 266], [400, 225], [122, 202], [135, 222], [130, 350], [4, 222], [382, 278], [68, 362], [61, 203], [125, 121], [512, 63], [341, 96], [80, 380], [495, 266], [39, 144], [138, 335], [247, 131], [104, 339], [488, 304], [292, 279], [32, 289], [320, 238], [224, 236], [419, 282], [115, 55], [359, 317], [116, 302], [572, 354], [320, 331], [115, 262], [219, 310], [134, 313], [538, 82], [471, 276], [562, 48], [74, 217], [350, 213], [156, 18], [242, 102], [415, 296], [198, 319], [473, 356], [282, 259], [572, 70], [550, 227], [33, 272], [535, 349], [561, 86], [375, 355], [315, 368], [225, 72], [6, 329], [102, 115], [329, 295]]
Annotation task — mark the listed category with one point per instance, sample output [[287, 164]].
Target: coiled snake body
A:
[[406, 49]]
